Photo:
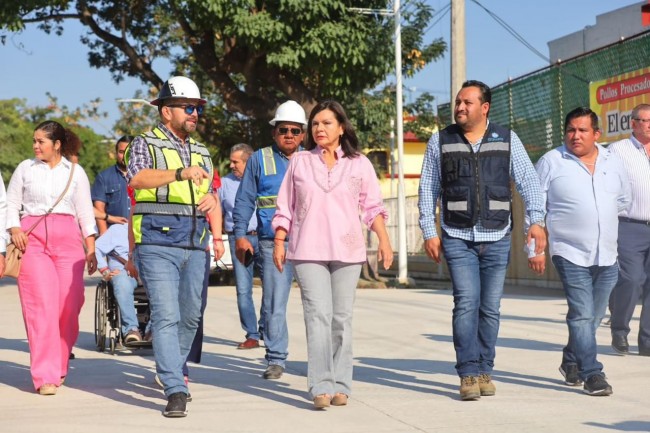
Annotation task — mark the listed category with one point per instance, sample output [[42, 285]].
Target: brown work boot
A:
[[486, 385], [469, 389]]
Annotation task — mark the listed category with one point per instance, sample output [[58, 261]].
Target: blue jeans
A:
[[123, 287], [587, 292], [173, 278], [244, 286], [478, 271], [275, 295]]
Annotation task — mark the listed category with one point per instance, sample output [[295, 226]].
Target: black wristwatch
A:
[[178, 174]]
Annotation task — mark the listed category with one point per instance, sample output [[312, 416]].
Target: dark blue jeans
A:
[[587, 291], [276, 287], [244, 286], [478, 271]]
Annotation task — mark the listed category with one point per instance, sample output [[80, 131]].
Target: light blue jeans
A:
[[478, 271], [328, 291], [587, 291], [244, 286], [275, 296], [173, 278], [123, 287]]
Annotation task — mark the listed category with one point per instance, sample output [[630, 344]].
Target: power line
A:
[[513, 32], [442, 12]]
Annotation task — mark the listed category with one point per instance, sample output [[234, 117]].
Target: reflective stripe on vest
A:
[[268, 161], [165, 156], [176, 199], [267, 202]]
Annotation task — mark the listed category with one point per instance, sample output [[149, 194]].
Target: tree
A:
[[18, 123], [248, 56]]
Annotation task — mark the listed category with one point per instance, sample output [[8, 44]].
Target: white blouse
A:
[[34, 187], [3, 217]]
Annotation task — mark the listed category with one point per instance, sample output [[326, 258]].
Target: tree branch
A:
[[141, 67]]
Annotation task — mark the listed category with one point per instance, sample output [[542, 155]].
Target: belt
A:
[[252, 232], [631, 220]]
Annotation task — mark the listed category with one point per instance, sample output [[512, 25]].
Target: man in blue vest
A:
[[470, 165], [172, 177], [259, 186]]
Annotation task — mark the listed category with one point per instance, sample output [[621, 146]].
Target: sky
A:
[[34, 63]]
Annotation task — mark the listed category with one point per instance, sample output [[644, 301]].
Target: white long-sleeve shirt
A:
[[3, 217], [34, 187]]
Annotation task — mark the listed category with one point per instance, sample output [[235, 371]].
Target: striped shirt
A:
[[141, 158], [637, 165], [521, 171]]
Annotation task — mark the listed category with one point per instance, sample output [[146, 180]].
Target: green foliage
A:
[[15, 136], [247, 56], [372, 114], [18, 123]]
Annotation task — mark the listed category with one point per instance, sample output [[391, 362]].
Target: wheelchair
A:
[[107, 317]]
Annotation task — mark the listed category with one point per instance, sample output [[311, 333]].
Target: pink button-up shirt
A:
[[322, 209]]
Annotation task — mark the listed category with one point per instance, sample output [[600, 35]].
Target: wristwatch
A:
[[540, 223]]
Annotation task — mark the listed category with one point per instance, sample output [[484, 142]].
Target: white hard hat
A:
[[179, 87], [290, 111]]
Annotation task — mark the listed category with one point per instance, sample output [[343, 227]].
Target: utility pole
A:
[[458, 66], [402, 259], [402, 276]]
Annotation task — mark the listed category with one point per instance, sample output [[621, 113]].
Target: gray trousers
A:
[[328, 291]]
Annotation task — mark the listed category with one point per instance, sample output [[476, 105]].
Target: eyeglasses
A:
[[189, 109], [294, 131], [644, 121]]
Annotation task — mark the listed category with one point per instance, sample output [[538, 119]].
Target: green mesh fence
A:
[[535, 104]]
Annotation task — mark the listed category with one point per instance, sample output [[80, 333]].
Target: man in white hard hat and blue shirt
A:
[[172, 177], [259, 186]]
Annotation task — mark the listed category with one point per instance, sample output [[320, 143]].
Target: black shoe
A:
[[597, 385], [176, 405], [570, 374], [644, 351], [620, 345], [273, 371]]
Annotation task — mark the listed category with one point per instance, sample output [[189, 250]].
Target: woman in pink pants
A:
[[51, 282]]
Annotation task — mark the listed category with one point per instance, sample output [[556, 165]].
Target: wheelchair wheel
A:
[[112, 345], [101, 315]]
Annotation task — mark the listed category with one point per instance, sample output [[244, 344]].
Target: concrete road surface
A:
[[404, 378]]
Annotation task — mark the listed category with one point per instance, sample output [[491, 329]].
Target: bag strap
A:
[[58, 200], [117, 257]]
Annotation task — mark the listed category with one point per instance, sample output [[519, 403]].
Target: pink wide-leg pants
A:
[[51, 290]]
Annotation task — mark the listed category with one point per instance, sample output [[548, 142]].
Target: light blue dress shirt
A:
[[227, 193], [582, 209], [115, 238]]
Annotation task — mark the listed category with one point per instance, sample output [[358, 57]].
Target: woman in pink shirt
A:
[[325, 194], [51, 279]]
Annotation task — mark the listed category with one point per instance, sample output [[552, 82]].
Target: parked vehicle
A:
[[221, 271]]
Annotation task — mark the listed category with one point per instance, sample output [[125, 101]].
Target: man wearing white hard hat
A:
[[259, 187], [172, 177]]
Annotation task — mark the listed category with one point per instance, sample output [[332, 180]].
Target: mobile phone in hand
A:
[[248, 258]]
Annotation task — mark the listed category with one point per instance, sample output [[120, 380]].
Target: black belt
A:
[[630, 220], [252, 232]]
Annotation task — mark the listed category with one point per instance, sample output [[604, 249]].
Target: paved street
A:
[[404, 375]]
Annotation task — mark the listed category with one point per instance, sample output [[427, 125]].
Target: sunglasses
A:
[[189, 109], [294, 131]]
